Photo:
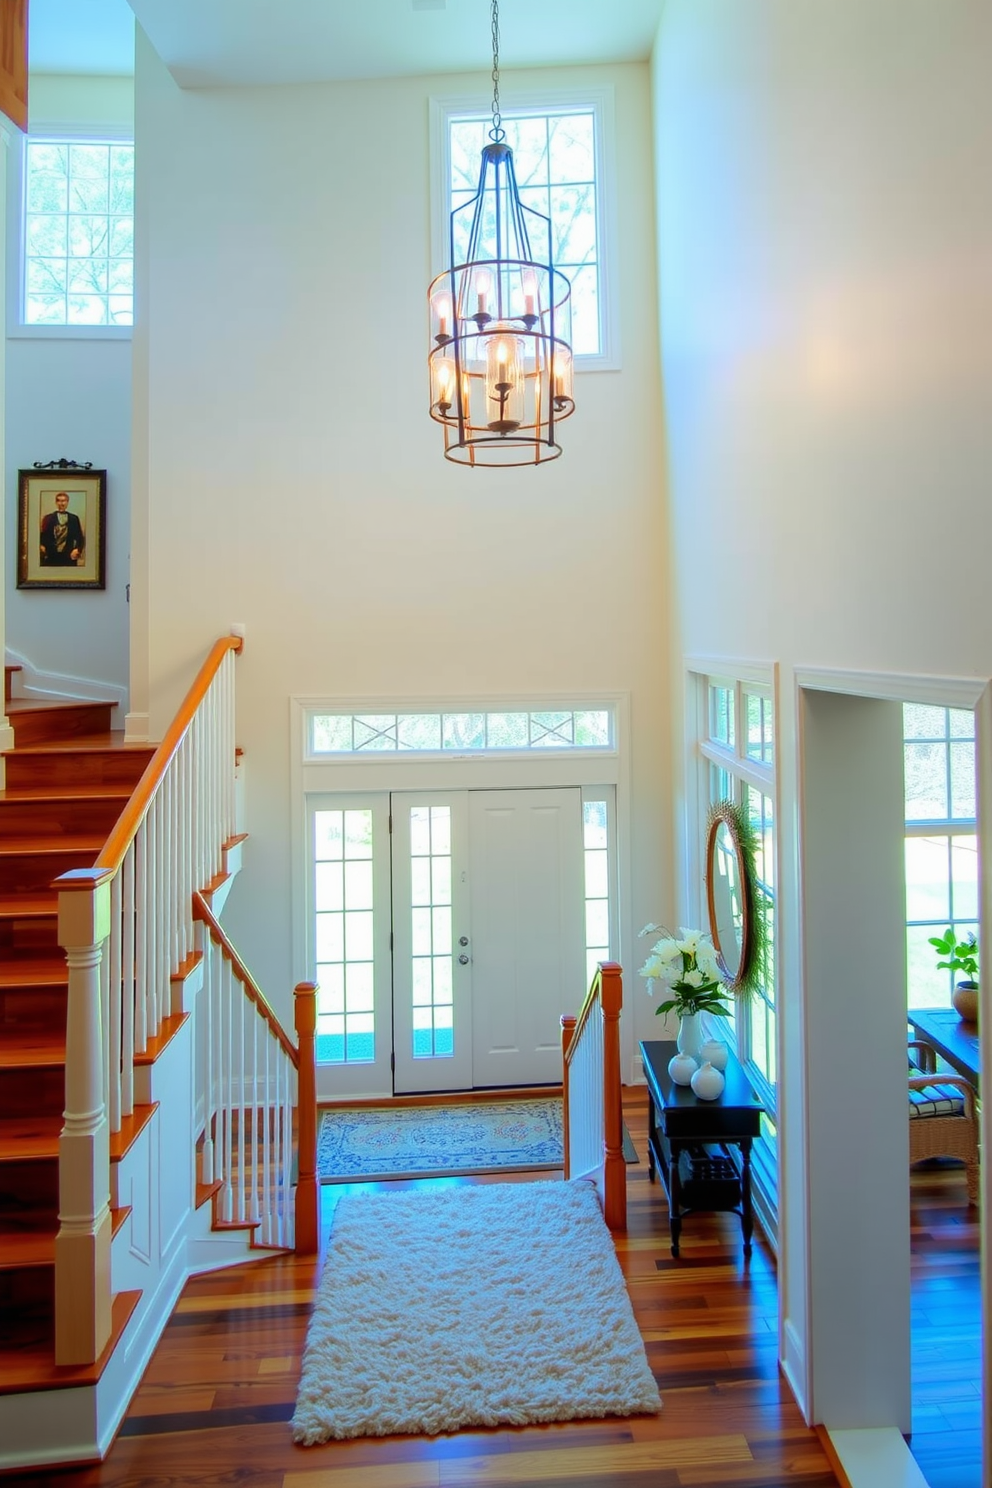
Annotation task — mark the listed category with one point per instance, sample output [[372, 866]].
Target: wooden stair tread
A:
[[33, 968], [131, 1128], [28, 906], [44, 794], [34, 846], [167, 1032], [26, 1250], [32, 1049], [28, 1138], [55, 705], [32, 1366], [112, 739]]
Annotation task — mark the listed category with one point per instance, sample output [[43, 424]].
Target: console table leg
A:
[[651, 1130], [675, 1199], [747, 1218]]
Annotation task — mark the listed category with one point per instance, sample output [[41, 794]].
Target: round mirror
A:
[[730, 895]]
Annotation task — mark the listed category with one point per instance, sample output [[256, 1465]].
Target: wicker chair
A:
[[943, 1121]]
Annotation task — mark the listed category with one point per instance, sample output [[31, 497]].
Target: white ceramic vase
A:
[[682, 1067], [690, 1039], [714, 1052], [707, 1082]]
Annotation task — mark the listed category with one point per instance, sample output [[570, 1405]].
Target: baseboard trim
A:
[[871, 1457], [136, 726], [36, 685]]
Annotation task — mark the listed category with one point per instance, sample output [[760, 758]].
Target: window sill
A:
[[69, 333]]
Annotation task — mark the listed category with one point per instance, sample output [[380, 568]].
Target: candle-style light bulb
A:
[[483, 284], [442, 309], [444, 383], [530, 293]]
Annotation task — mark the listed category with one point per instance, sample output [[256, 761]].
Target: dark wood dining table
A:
[[954, 1040]]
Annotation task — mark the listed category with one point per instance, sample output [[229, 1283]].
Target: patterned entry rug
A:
[[502, 1303], [377, 1142]]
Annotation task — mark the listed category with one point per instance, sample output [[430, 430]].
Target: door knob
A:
[[463, 959]]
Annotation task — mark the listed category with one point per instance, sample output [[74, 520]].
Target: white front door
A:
[[528, 962], [488, 906]]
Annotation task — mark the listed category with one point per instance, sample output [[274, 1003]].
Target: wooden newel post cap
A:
[[305, 1007]]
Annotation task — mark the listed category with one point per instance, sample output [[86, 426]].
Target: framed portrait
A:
[[61, 529]]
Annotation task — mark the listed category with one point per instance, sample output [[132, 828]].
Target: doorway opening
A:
[[449, 931]]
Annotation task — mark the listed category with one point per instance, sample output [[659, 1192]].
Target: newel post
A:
[[82, 1248], [615, 1169], [567, 1034], [307, 1206]]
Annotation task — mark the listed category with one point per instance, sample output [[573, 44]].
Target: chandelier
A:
[[500, 321]]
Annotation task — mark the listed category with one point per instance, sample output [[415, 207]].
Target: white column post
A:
[[82, 1247]]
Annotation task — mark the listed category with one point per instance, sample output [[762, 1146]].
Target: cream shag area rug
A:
[[502, 1304]]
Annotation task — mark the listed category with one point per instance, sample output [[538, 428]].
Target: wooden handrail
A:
[[203, 913], [125, 828], [567, 1036], [592, 996]]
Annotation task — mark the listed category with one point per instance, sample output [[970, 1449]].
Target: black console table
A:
[[689, 1141]]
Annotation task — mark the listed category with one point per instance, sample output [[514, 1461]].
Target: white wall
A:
[[71, 399], [296, 483], [825, 270]]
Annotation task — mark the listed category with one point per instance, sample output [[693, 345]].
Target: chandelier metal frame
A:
[[500, 321]]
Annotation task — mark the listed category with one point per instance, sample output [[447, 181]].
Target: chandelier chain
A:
[[497, 133]]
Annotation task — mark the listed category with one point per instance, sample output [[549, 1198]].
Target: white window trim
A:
[[17, 328], [377, 758], [601, 100]]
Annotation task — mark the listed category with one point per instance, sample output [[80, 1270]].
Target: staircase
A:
[[67, 780], [127, 1019]]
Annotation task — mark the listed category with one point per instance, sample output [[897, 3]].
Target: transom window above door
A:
[[589, 730]]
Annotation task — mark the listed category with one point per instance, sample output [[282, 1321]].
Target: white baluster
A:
[[287, 1164], [253, 1213], [113, 992], [207, 1003], [142, 999], [151, 925], [239, 1070], [226, 1098], [266, 1103], [127, 987]]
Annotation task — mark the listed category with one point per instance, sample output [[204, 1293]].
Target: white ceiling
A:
[[227, 42]]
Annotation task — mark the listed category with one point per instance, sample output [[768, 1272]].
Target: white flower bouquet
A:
[[687, 966]]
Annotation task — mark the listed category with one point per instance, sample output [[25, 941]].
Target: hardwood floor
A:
[[947, 1335], [215, 1404]]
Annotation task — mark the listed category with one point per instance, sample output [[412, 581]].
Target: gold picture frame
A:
[[61, 527]]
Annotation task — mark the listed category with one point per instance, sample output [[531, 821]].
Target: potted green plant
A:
[[961, 955]]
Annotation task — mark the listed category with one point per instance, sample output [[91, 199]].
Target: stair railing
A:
[[591, 1094], [127, 926], [250, 1079]]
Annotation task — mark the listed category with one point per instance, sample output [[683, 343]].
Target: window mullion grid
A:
[[750, 772]]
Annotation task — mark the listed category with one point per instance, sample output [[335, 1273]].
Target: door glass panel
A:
[[595, 844], [430, 872], [344, 936]]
